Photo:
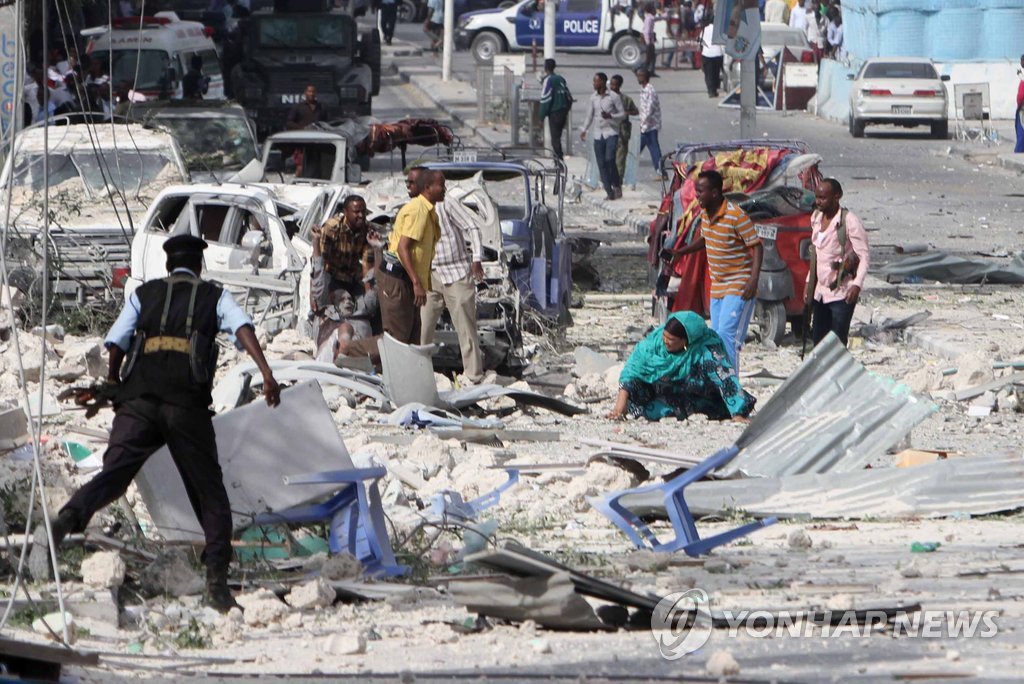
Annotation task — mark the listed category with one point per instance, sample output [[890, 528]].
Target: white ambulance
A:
[[159, 50], [580, 26]]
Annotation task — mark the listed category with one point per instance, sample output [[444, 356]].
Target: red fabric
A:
[[1020, 95]]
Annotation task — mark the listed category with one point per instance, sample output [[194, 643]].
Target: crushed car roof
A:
[[129, 137]]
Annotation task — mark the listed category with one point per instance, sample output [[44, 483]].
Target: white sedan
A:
[[904, 91]]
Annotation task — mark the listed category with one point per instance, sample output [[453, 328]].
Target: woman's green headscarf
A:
[[651, 361]]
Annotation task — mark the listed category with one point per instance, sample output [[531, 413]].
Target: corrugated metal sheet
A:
[[977, 485], [974, 485], [831, 415]]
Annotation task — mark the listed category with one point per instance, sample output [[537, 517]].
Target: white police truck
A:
[[580, 26]]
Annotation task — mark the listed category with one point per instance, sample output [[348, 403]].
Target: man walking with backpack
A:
[[839, 263], [555, 103]]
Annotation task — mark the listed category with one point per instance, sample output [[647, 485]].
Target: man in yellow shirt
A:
[[403, 278]]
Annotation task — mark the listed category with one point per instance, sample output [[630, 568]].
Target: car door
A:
[[578, 24], [171, 215], [530, 25]]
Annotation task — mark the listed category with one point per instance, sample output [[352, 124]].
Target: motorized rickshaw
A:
[[773, 181]]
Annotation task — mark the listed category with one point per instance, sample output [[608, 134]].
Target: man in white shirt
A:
[[798, 18], [604, 115], [776, 11], [712, 58]]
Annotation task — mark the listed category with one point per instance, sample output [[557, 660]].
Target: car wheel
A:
[[940, 129], [407, 11], [771, 319], [485, 46], [627, 52], [856, 127]]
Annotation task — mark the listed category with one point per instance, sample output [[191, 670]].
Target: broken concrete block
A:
[[32, 357], [799, 539], [722, 664], [911, 571], [13, 428], [345, 644], [85, 354], [343, 566], [924, 380], [590, 362], [100, 606], [611, 378], [171, 574], [315, 594], [52, 623], [262, 608], [434, 454], [103, 569], [983, 405], [972, 370]]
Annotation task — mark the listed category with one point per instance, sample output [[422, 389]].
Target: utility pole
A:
[[448, 46], [549, 28]]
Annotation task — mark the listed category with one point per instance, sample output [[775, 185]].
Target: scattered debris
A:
[[799, 539], [103, 569], [722, 664], [171, 575]]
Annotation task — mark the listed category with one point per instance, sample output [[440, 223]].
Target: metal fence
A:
[[494, 92]]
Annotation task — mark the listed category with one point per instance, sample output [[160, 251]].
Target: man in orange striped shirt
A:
[[734, 260]]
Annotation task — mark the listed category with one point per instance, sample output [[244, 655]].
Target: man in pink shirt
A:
[[841, 269]]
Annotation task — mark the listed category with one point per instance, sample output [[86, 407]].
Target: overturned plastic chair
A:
[[354, 514], [449, 505], [620, 509]]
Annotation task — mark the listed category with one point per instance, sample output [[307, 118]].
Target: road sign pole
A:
[[748, 98]]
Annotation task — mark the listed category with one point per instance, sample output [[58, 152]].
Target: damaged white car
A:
[[101, 178], [248, 230]]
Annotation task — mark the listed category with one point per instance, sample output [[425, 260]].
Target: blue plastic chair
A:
[[355, 514], [687, 539], [449, 505]]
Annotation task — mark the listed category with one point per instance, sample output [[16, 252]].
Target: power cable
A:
[[36, 428]]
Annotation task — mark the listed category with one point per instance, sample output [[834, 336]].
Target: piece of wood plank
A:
[[46, 653]]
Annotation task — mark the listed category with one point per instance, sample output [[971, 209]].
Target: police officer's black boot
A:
[[218, 595], [62, 526]]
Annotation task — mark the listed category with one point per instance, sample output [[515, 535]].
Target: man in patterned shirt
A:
[[650, 118], [734, 260], [342, 252], [454, 275]]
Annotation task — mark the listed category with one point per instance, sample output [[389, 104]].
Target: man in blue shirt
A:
[[164, 339]]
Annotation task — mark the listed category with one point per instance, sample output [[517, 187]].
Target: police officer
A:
[[164, 337]]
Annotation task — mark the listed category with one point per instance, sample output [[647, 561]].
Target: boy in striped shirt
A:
[[734, 261]]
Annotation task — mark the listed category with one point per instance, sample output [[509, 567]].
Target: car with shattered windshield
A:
[[100, 181], [216, 137]]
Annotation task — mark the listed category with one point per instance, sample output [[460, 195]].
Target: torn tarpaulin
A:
[[947, 268]]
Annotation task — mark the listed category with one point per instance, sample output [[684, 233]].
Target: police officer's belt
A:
[[165, 343]]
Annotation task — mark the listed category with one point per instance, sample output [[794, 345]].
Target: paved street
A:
[[907, 187]]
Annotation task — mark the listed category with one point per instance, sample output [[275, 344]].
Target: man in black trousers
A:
[[164, 337]]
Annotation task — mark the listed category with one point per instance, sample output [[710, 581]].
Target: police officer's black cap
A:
[[184, 244]]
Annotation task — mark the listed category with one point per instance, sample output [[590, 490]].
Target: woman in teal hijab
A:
[[678, 370]]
